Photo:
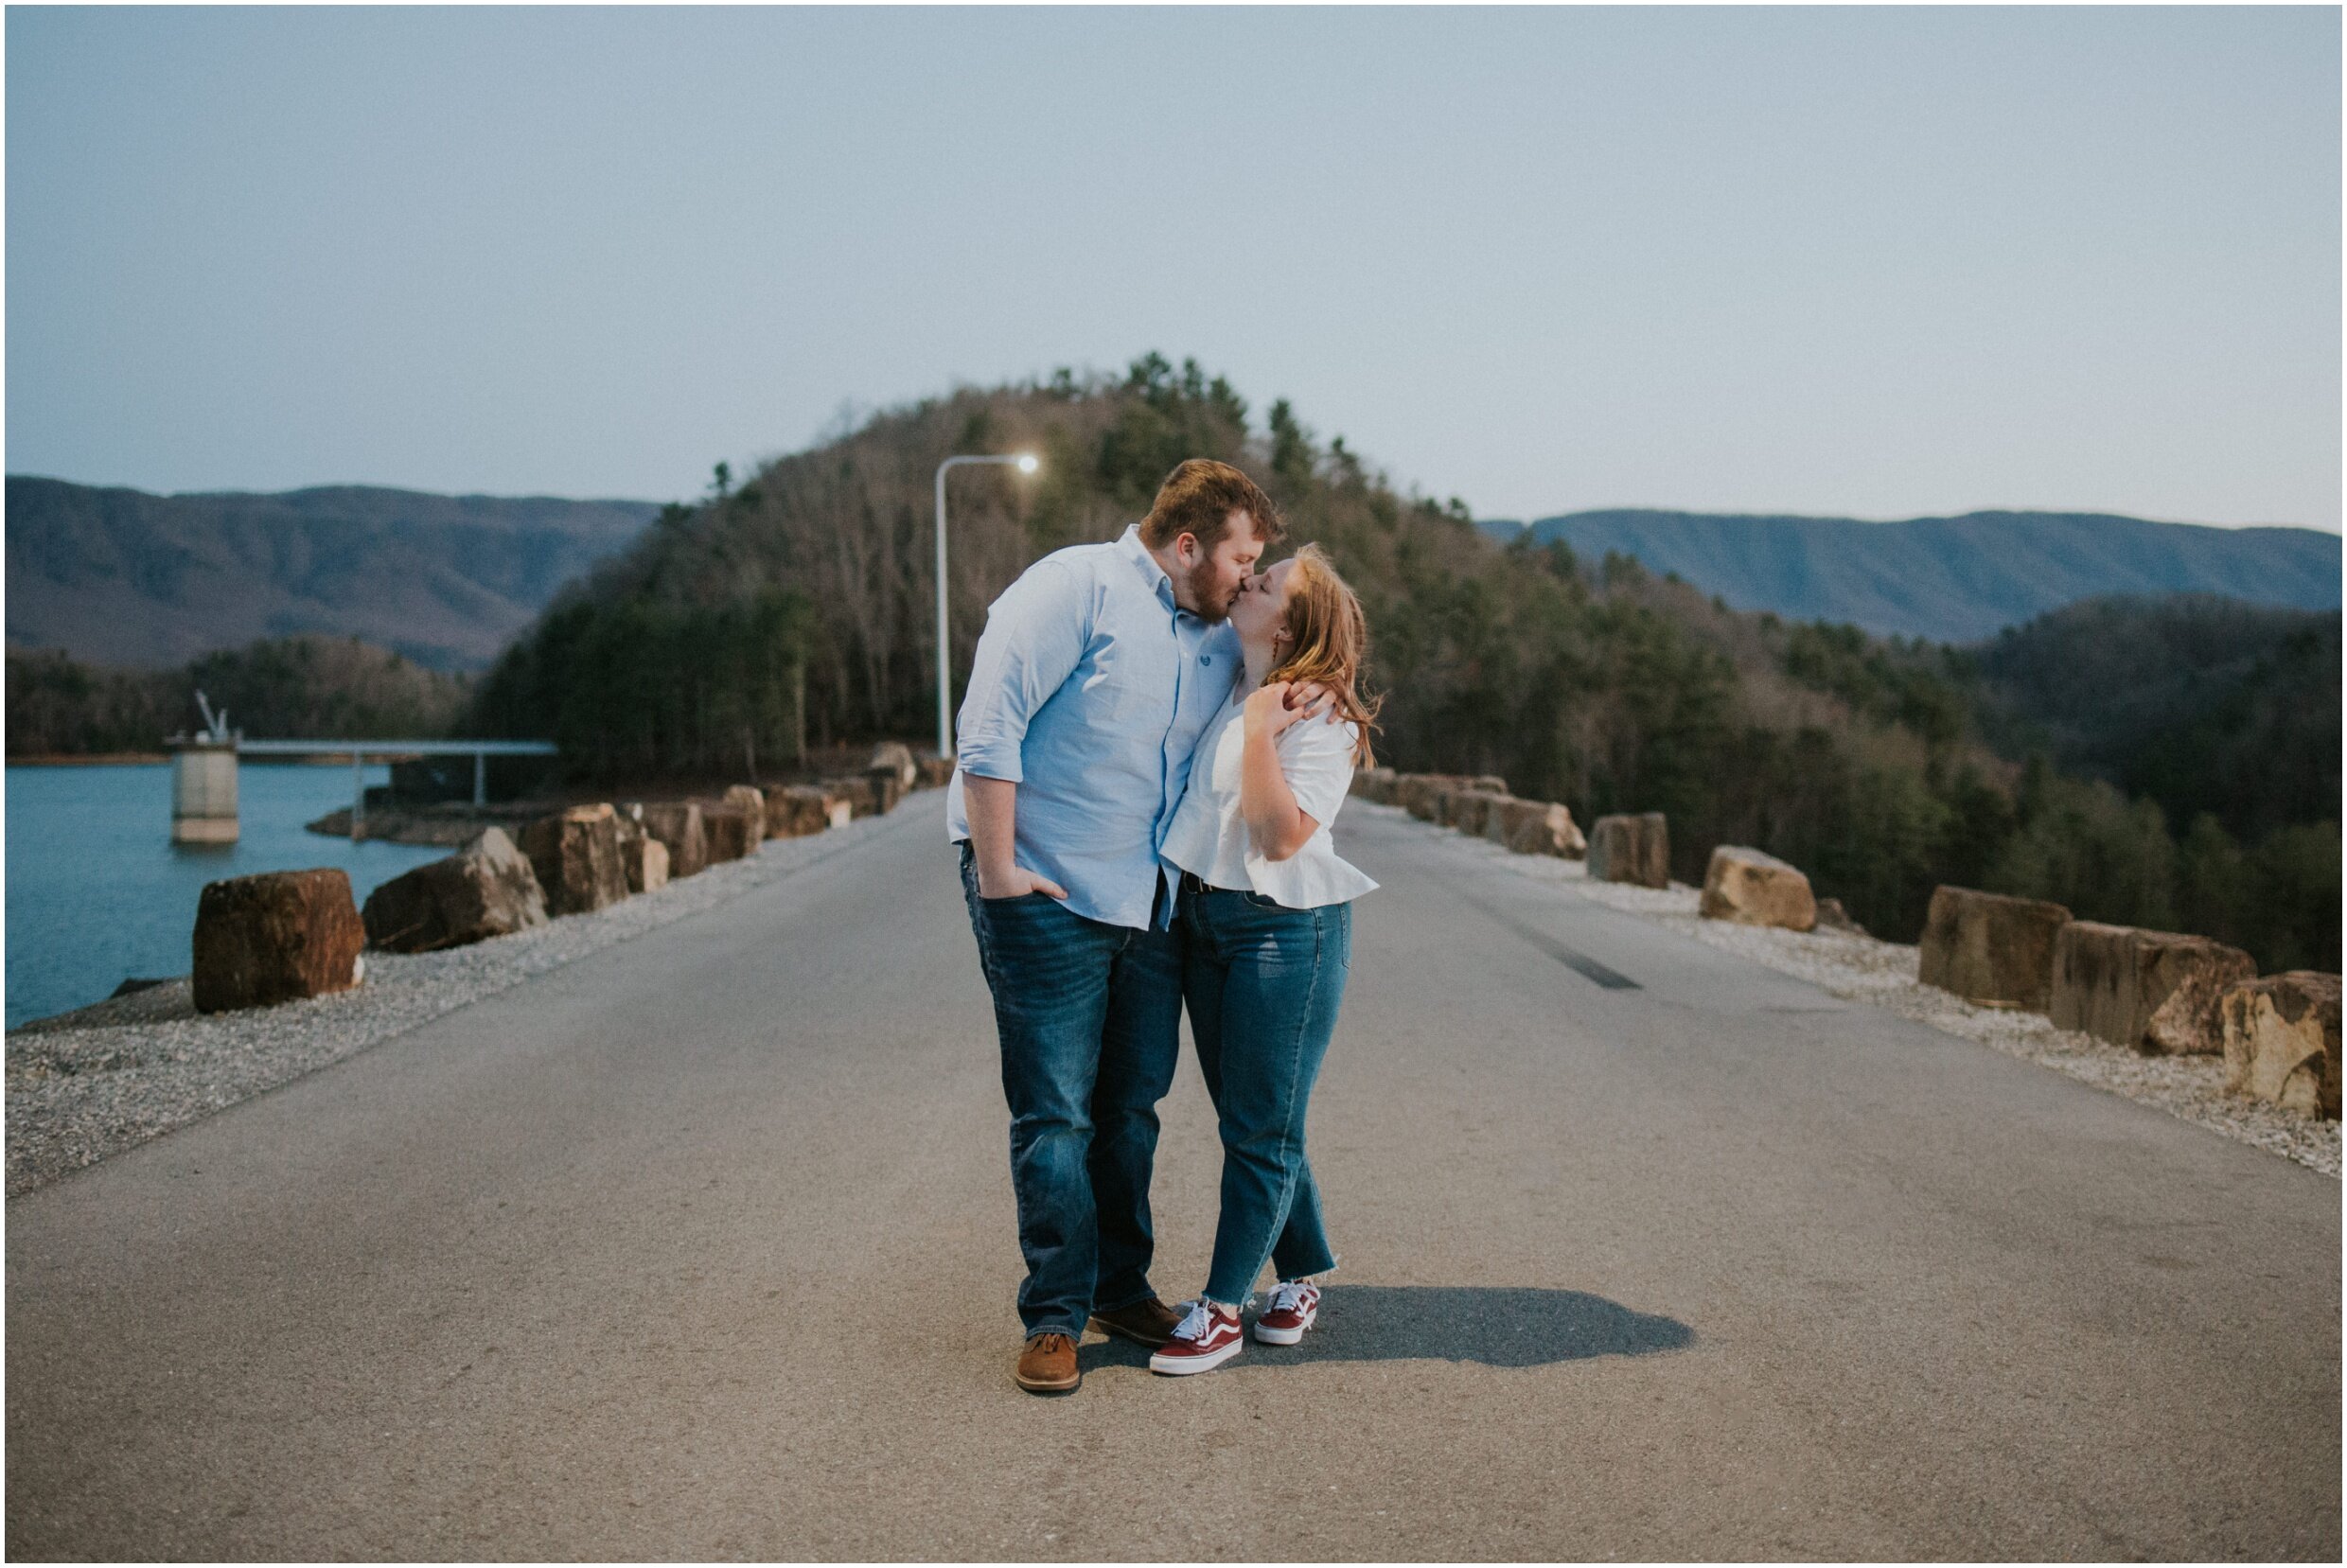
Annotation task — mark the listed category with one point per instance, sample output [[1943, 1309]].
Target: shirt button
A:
[[1206, 659]]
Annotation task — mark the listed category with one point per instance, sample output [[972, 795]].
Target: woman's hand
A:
[[1267, 712], [1311, 700]]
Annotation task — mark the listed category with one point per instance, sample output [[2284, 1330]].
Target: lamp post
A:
[[1025, 462]]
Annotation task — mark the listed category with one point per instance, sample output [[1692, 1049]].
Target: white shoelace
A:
[[1195, 1325], [1289, 1297]]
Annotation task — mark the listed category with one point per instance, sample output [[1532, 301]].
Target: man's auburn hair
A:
[[1197, 499]]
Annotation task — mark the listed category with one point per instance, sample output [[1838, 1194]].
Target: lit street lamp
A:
[[1025, 462]]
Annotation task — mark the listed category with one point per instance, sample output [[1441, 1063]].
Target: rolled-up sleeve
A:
[[1035, 635]]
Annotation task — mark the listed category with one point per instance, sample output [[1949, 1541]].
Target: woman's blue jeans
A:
[[1264, 983], [1090, 1020]]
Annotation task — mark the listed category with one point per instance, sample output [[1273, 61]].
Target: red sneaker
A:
[[1291, 1309], [1203, 1340]]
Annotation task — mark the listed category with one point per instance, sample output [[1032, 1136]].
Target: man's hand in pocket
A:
[[1017, 882]]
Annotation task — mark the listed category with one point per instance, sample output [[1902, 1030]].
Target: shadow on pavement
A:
[[1495, 1325]]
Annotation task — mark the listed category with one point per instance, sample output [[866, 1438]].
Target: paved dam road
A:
[[703, 1247]]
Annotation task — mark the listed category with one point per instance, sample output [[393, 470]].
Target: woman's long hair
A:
[[1327, 640]]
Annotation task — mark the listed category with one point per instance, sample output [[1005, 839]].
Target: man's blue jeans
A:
[[1264, 983], [1090, 1018]]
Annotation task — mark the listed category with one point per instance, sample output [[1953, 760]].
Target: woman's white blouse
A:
[[1209, 837]]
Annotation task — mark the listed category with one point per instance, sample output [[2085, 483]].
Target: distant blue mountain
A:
[[118, 577], [1952, 579]]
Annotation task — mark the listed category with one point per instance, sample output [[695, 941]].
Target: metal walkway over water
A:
[[204, 791]]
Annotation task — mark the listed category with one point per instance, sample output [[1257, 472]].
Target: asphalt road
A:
[[703, 1247]]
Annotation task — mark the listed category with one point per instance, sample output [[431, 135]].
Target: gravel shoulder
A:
[[89, 1083], [1882, 974]]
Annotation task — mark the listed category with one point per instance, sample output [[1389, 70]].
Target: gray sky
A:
[[1875, 262]]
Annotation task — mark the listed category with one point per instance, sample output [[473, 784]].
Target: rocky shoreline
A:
[[450, 826], [90, 759]]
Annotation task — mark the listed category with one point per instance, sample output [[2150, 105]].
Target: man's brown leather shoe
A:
[[1048, 1366], [1149, 1323]]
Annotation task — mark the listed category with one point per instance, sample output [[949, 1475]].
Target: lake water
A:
[[96, 890]]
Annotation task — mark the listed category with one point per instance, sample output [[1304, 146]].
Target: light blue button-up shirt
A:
[[1089, 692]]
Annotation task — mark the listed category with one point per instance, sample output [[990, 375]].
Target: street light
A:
[[1026, 463]]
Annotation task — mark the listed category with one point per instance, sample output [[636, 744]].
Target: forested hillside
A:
[[2178, 759], [1952, 579], [797, 608], [286, 688], [119, 577], [2200, 703]]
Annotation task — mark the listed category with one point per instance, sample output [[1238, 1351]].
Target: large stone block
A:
[[774, 810], [1416, 793], [862, 795], [2093, 986], [1420, 794], [1534, 827], [1504, 814], [276, 938], [728, 828], [1831, 916], [1630, 849], [895, 758], [802, 809], [935, 772], [647, 862], [488, 888], [1467, 809], [678, 825], [1375, 784], [1987, 947], [2190, 1021], [2282, 1040], [2109, 981], [2184, 980], [575, 853], [752, 804], [1751, 887]]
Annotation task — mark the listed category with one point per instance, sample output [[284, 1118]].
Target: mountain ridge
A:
[[1953, 579], [118, 575], [121, 576]]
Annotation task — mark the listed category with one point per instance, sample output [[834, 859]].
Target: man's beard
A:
[[1202, 586]]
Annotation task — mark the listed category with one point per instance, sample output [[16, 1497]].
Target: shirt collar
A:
[[1146, 564]]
